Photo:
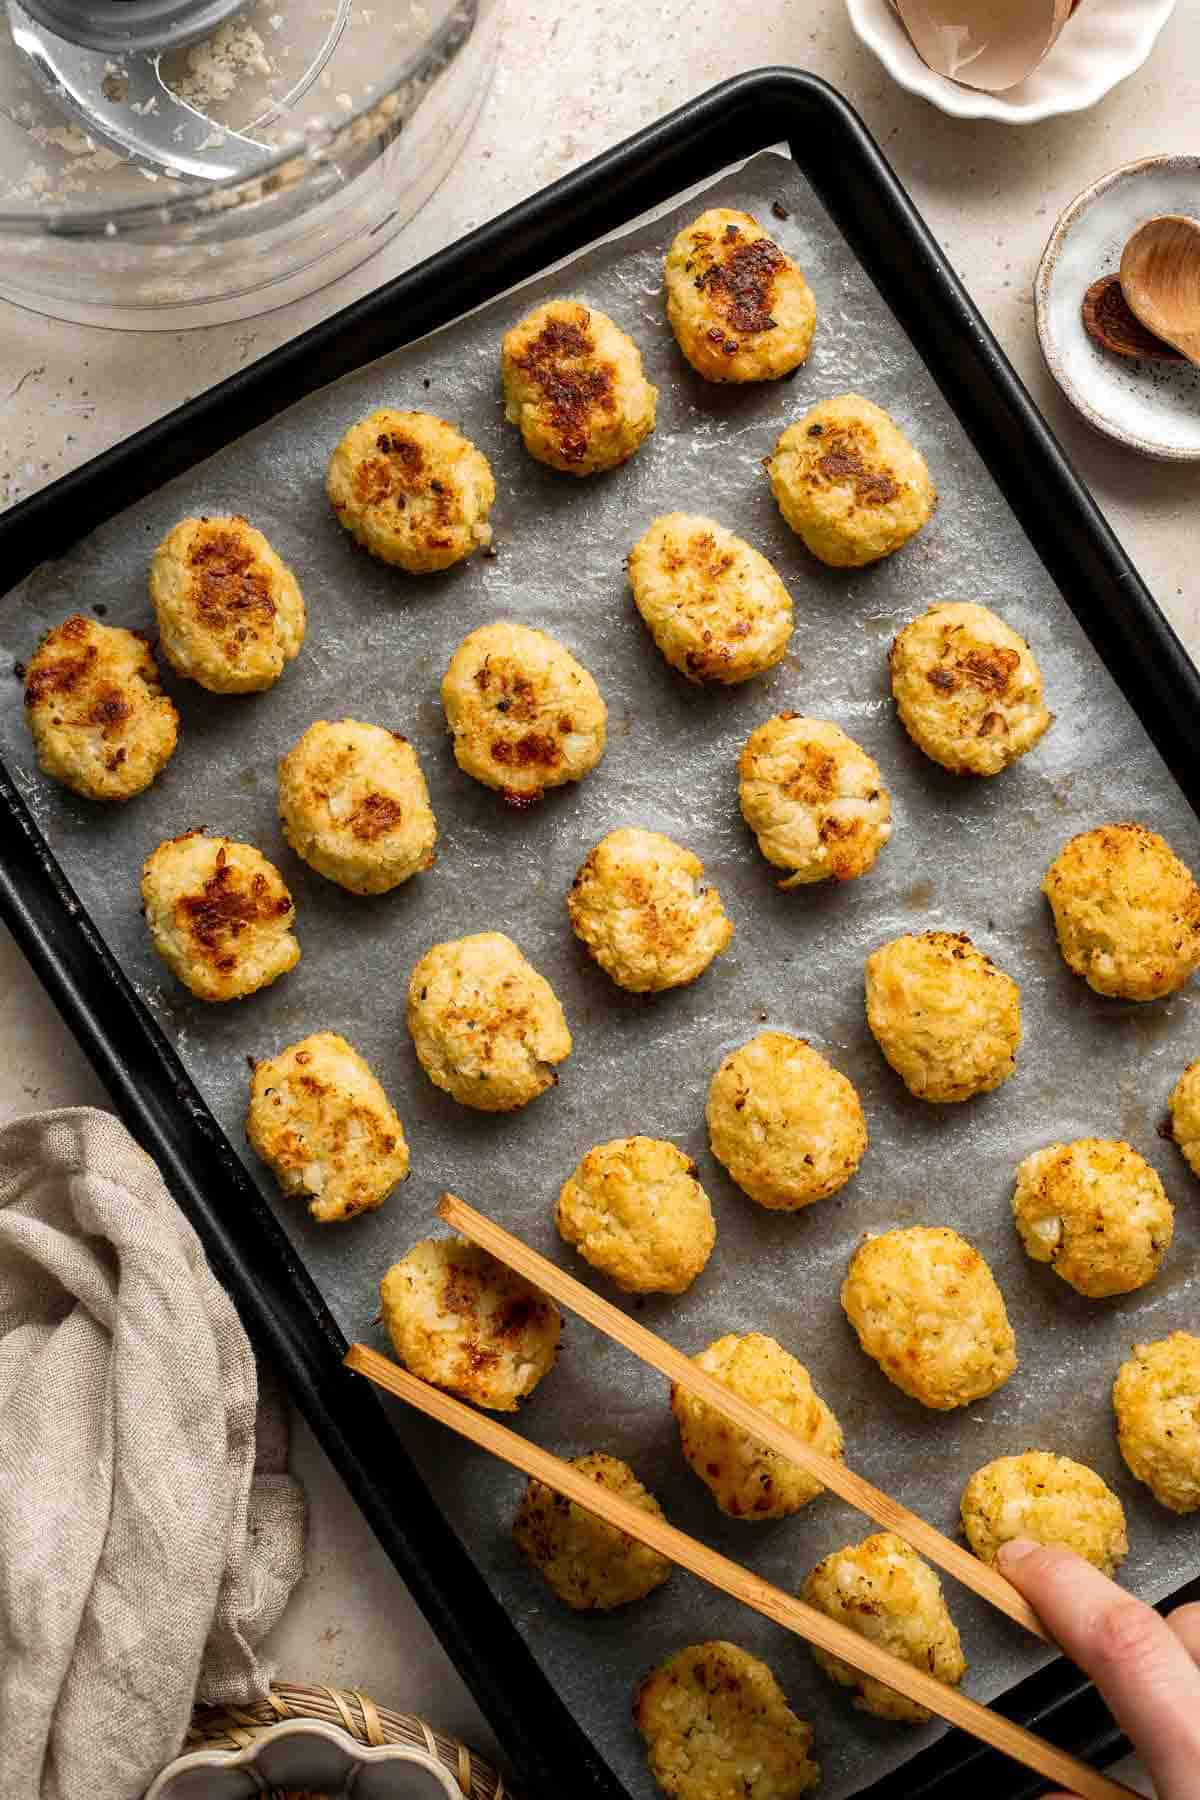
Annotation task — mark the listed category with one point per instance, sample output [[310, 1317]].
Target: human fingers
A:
[[1185, 1623], [1140, 1665]]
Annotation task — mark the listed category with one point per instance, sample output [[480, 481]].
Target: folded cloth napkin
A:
[[142, 1554]]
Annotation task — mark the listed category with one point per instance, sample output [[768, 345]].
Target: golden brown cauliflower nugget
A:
[[927, 1309], [967, 689], [714, 606], [466, 1323], [739, 307], [1096, 1212], [575, 388], [100, 721], [814, 799], [219, 915], [787, 1125], [324, 1126], [412, 490], [747, 1479], [355, 806], [849, 483], [230, 613], [1185, 1115], [1156, 1398], [884, 1591], [635, 1210], [947, 1019], [640, 904], [1049, 1499], [487, 1028], [523, 714], [717, 1727], [1126, 910], [591, 1566]]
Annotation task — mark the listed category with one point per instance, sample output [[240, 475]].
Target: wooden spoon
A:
[[1160, 278], [987, 44]]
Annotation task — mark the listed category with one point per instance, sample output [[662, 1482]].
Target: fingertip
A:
[[1014, 1552]]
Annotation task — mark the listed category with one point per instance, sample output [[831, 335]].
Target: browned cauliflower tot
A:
[[634, 1209], [1156, 1398], [464, 1322], [100, 721], [739, 307], [883, 1590], [1049, 1499], [946, 1018], [219, 915], [717, 1727], [747, 1479], [968, 690], [325, 1128], [927, 1309], [787, 1125], [487, 1028], [230, 613], [849, 483], [355, 806], [1096, 1212], [591, 1566], [412, 490], [1185, 1115], [814, 799], [640, 904], [575, 388], [523, 714], [714, 606], [1126, 910]]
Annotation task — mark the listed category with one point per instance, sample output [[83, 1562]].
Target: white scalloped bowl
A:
[[1106, 41], [307, 1754]]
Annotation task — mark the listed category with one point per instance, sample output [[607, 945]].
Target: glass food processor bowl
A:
[[189, 179]]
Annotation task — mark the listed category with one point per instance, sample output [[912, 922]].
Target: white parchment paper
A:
[[965, 856]]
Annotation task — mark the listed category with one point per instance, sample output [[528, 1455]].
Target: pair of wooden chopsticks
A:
[[719, 1571]]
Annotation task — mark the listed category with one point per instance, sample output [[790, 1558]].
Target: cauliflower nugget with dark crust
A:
[[640, 904], [230, 613], [1050, 1499], [814, 799], [1126, 910], [927, 1309], [591, 1566], [412, 490], [968, 690], [714, 606], [324, 1126], [746, 1478], [946, 1018], [787, 1125], [1096, 1212], [739, 307], [523, 714], [717, 1727], [487, 1028], [849, 483], [219, 915], [883, 1590], [464, 1322], [1156, 1398], [635, 1210], [355, 806], [100, 722], [575, 388]]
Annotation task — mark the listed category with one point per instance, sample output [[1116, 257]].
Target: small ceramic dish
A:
[[307, 1755], [1105, 41], [1150, 406]]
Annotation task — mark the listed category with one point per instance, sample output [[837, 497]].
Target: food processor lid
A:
[[121, 26]]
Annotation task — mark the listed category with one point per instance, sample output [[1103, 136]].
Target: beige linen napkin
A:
[[142, 1554]]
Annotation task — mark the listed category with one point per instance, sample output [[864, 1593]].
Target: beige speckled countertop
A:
[[571, 81]]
